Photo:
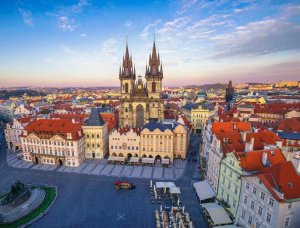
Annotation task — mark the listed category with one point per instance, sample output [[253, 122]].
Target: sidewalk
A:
[[92, 167]]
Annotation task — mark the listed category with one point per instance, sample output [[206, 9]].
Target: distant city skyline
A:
[[82, 42]]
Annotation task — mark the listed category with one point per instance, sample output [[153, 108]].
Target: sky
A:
[[81, 42]]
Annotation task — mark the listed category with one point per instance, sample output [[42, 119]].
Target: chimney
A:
[[73, 120], [234, 126], [264, 158]]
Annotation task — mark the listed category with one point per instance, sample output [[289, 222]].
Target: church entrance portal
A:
[[139, 116]]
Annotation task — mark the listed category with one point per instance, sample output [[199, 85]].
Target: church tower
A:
[[127, 75], [127, 79], [154, 76]]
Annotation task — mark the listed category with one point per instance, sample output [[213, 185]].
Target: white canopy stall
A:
[[148, 160], [203, 190], [134, 159], [165, 161], [217, 214], [114, 158], [175, 190]]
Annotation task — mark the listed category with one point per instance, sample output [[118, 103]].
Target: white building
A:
[[270, 198], [22, 110], [220, 138], [53, 141], [13, 131], [124, 142]]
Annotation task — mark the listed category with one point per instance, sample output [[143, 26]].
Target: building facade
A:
[[140, 102], [55, 142], [124, 142], [270, 198], [13, 131], [164, 140], [198, 114], [95, 136]]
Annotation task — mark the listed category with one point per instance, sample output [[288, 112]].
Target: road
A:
[[91, 201]]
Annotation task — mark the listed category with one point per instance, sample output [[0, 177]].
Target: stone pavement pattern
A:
[[102, 168]]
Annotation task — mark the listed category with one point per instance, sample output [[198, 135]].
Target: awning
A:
[[165, 161], [217, 213], [113, 158], [204, 191], [148, 160], [175, 190], [165, 185], [134, 159]]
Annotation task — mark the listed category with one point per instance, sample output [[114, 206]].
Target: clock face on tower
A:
[[139, 86]]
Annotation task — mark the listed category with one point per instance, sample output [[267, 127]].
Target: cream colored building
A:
[[164, 140], [124, 142], [13, 131], [95, 136], [54, 142], [198, 114]]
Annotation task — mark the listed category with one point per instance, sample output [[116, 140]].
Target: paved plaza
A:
[[91, 200], [102, 168]]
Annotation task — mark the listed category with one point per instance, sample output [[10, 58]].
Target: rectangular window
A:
[[245, 199], [287, 222], [268, 217], [290, 206], [247, 185], [257, 225], [271, 202], [243, 214], [252, 205], [250, 220], [262, 196], [254, 191], [259, 212]]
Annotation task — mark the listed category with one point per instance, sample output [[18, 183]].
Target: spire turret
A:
[[127, 66], [154, 68]]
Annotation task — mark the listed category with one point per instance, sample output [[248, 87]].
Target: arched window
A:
[[126, 87], [153, 87]]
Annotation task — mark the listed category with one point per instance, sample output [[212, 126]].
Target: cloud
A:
[[128, 23], [145, 31], [77, 8], [83, 35], [109, 46], [68, 50], [259, 38], [26, 16], [67, 24]]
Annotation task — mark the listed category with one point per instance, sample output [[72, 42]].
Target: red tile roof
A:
[[289, 125], [79, 118], [231, 142], [282, 177], [262, 138], [47, 128], [110, 119], [252, 161], [230, 127]]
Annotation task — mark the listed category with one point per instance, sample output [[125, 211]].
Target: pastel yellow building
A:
[[164, 140]]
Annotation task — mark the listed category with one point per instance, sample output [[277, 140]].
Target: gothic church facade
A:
[[140, 102]]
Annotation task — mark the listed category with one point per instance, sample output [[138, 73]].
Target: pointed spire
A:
[[127, 66], [161, 68]]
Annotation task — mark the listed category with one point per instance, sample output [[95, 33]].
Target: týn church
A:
[[140, 103]]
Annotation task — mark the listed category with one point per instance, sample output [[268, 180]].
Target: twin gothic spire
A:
[[153, 69]]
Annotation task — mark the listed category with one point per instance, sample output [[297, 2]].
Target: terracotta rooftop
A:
[[252, 161], [110, 119], [231, 142], [47, 128], [230, 127], [283, 178], [289, 125], [262, 138]]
